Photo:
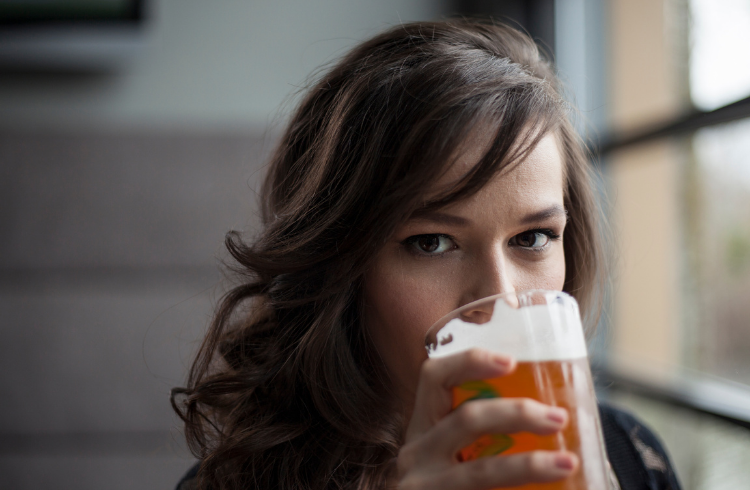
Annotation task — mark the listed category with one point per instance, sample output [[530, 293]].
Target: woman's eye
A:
[[532, 239], [430, 244]]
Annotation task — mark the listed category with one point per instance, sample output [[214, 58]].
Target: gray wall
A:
[[115, 193], [107, 277], [205, 63]]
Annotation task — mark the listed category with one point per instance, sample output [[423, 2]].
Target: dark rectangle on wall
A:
[[537, 17], [55, 12]]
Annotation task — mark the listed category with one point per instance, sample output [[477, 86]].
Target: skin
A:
[[508, 236]]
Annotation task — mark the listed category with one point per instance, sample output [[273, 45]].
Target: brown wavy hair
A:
[[287, 391]]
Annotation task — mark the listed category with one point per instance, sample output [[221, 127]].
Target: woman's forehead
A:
[[545, 156]]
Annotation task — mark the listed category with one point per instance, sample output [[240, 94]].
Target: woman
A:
[[432, 166]]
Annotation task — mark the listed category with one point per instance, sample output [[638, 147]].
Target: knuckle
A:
[[476, 356], [410, 483], [536, 462], [525, 408], [481, 471], [420, 481], [467, 415], [407, 458], [429, 370]]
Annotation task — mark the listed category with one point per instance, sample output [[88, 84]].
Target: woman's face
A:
[[506, 237]]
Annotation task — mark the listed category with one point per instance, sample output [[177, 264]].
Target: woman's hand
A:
[[435, 433]]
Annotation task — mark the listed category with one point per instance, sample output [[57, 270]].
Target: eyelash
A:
[[544, 231], [410, 242]]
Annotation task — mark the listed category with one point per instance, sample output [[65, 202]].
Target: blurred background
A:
[[133, 135]]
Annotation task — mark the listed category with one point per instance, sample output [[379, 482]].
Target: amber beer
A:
[[552, 382], [542, 329]]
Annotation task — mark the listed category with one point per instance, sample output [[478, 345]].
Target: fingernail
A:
[[556, 414], [564, 462], [502, 361]]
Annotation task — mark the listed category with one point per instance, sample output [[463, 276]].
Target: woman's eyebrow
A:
[[545, 214], [441, 218]]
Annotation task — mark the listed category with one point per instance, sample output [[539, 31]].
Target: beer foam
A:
[[544, 332]]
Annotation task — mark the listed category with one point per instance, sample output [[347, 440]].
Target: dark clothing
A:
[[636, 455], [188, 481]]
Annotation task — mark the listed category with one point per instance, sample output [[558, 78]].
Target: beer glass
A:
[[542, 330]]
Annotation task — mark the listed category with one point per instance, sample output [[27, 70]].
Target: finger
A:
[[434, 398], [506, 471], [495, 416]]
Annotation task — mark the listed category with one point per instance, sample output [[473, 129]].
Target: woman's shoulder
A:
[[635, 453]]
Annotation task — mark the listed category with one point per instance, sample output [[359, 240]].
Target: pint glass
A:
[[542, 330]]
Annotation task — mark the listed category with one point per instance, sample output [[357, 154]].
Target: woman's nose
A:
[[492, 276]]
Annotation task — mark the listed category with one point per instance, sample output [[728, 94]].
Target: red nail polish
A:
[[556, 415], [564, 462], [502, 361]]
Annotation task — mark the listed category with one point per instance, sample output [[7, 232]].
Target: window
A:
[[677, 168]]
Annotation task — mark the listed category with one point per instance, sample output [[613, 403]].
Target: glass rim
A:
[[524, 292]]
